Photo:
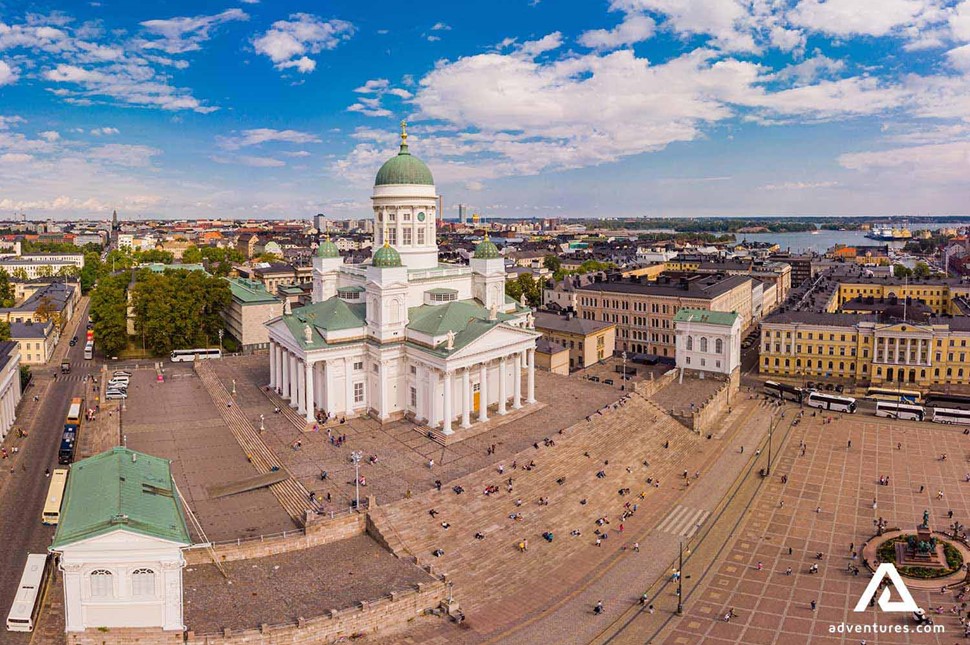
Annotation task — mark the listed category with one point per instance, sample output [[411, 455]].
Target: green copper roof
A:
[[704, 316], [250, 292], [486, 250], [405, 168], [121, 489], [387, 257], [436, 320], [328, 249], [332, 314]]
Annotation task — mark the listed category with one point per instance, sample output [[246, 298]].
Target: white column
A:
[[272, 364], [517, 382], [172, 584], [531, 381], [285, 370], [308, 380], [483, 393], [502, 385], [895, 350], [446, 421], [72, 599], [300, 386], [466, 399], [294, 382], [433, 398], [348, 386]]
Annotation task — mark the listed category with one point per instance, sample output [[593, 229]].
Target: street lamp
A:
[[624, 370], [680, 583], [234, 387], [355, 457], [220, 343], [262, 425]]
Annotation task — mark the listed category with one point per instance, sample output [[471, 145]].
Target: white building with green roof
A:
[[402, 335], [119, 543], [708, 341]]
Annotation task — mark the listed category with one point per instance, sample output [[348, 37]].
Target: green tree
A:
[[552, 262], [119, 260], [91, 272], [268, 257], [20, 273], [68, 272], [525, 284], [179, 309], [155, 255], [109, 313], [45, 271], [922, 270], [192, 255], [6, 289], [4, 330], [901, 271]]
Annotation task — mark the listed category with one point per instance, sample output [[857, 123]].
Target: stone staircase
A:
[[491, 571], [291, 494], [289, 413]]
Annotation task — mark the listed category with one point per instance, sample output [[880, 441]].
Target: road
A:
[[24, 488]]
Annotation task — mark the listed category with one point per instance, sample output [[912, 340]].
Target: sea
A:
[[822, 241]]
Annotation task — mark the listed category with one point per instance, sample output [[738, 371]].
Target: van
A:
[[115, 394]]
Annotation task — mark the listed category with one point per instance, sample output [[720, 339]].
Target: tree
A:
[[179, 309], [552, 262], [6, 289], [155, 255], [70, 271], [922, 270], [901, 271], [525, 284], [109, 312], [45, 271], [268, 257], [192, 255], [20, 273], [4, 330], [91, 272]]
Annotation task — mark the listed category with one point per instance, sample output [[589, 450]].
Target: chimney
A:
[[134, 457]]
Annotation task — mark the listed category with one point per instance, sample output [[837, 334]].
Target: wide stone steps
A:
[[291, 414], [487, 569], [291, 494]]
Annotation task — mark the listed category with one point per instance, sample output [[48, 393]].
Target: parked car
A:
[[608, 381], [121, 373], [840, 388], [115, 394], [594, 379]]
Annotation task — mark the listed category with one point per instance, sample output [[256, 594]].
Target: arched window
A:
[[143, 583], [718, 346], [703, 343], [102, 583], [690, 343]]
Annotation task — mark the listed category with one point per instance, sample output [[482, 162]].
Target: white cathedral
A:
[[404, 336]]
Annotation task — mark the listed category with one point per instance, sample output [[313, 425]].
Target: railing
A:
[[273, 536]]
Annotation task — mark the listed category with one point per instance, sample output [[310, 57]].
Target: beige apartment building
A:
[[251, 307], [643, 310], [588, 341]]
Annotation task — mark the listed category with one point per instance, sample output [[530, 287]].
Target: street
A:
[[23, 485]]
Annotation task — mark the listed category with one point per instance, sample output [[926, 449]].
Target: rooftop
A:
[[569, 324], [121, 489], [250, 292], [701, 286], [725, 318]]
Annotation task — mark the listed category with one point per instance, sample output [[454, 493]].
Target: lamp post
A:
[[624, 370], [355, 457], [220, 343], [680, 583], [262, 425], [234, 387], [771, 429]]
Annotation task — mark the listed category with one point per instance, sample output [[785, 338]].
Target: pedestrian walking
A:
[[814, 605]]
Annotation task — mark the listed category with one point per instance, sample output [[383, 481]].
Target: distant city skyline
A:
[[526, 108]]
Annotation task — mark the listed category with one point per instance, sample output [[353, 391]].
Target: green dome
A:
[[405, 168], [328, 249], [387, 258], [486, 250]]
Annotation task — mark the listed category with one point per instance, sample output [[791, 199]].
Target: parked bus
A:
[[831, 402], [189, 355], [74, 412], [65, 454], [782, 391], [26, 604], [950, 415], [892, 394], [89, 350], [953, 401], [893, 410], [55, 495]]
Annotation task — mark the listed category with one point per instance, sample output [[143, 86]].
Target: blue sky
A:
[[520, 107]]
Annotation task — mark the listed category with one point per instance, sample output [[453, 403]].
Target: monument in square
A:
[[922, 549]]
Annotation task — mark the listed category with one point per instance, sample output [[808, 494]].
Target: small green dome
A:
[[328, 249], [405, 168], [387, 258], [486, 250]]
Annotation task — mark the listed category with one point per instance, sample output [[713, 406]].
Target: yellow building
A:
[[588, 341], [940, 294]]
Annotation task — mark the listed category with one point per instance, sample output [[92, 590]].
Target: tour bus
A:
[[892, 394], [950, 415], [831, 402], [189, 355], [55, 495], [65, 453], [953, 401], [900, 411], [89, 350], [782, 391], [26, 604]]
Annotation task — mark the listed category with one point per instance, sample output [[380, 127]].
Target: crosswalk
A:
[[683, 521]]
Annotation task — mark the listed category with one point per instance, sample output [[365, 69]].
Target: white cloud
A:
[[7, 121], [635, 28], [959, 58], [855, 17], [374, 91], [935, 163], [15, 158], [105, 131], [373, 86], [287, 42], [810, 69], [800, 185], [728, 22], [49, 135], [184, 34], [7, 74], [124, 155], [440, 26], [260, 136], [250, 160]]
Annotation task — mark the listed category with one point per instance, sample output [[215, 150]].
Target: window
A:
[[414, 369], [102, 585], [414, 397], [359, 365], [703, 343], [690, 343], [358, 392], [420, 236], [392, 235], [406, 237], [143, 583]]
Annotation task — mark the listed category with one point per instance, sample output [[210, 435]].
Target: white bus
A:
[[831, 402], [892, 394], [55, 495], [900, 411], [26, 604], [783, 391], [89, 350], [189, 355], [950, 415]]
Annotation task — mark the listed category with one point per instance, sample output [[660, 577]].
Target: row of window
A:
[[102, 583], [768, 333], [406, 236], [890, 373]]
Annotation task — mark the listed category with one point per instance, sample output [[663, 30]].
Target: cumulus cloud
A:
[[935, 163], [288, 42], [8, 75], [250, 160], [855, 17], [260, 136], [634, 29], [105, 131], [374, 91]]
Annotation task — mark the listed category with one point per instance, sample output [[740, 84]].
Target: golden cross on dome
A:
[[404, 132]]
